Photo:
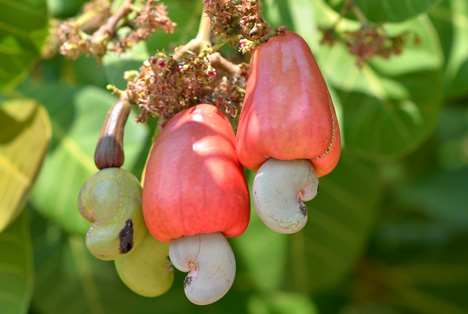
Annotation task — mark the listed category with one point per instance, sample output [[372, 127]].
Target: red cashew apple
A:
[[194, 187], [287, 116]]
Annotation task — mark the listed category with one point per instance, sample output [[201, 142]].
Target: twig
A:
[[200, 42], [220, 63], [108, 29]]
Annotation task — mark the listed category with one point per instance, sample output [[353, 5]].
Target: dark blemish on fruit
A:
[[303, 209], [126, 237], [187, 281]]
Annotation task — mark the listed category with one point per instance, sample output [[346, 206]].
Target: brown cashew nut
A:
[[109, 150]]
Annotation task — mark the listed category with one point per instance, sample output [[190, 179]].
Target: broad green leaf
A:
[[24, 137], [77, 116], [23, 30], [389, 106], [16, 267], [451, 21], [340, 219], [442, 195], [393, 10], [262, 251]]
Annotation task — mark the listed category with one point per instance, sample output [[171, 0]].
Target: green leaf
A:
[[340, 219], [441, 195], [24, 138], [419, 259], [388, 109], [393, 10], [23, 30], [77, 116], [16, 267], [281, 303], [64, 9], [451, 21]]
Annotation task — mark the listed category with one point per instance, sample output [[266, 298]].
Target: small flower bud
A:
[[211, 71]]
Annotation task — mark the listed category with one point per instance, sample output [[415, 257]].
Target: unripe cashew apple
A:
[[287, 115], [193, 181], [111, 198], [195, 194], [147, 270]]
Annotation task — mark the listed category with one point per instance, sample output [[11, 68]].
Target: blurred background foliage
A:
[[386, 234]]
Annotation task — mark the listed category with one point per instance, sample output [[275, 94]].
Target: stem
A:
[[203, 34], [220, 63], [357, 12], [200, 42], [109, 27]]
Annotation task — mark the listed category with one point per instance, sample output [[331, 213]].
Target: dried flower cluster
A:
[[234, 20], [369, 41], [151, 18], [164, 86], [74, 41]]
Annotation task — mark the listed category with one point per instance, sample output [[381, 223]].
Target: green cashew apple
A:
[[147, 270], [111, 199]]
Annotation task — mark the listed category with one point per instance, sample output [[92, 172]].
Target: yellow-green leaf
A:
[[24, 137]]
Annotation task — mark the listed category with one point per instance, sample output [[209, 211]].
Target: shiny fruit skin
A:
[[287, 112], [193, 181], [147, 270]]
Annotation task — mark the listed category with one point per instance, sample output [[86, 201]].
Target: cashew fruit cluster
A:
[[111, 199], [195, 193]]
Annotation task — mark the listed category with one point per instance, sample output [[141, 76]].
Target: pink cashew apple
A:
[[287, 115], [195, 194]]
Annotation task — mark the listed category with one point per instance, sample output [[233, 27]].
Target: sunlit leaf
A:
[[23, 30], [16, 267], [77, 116], [24, 137]]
